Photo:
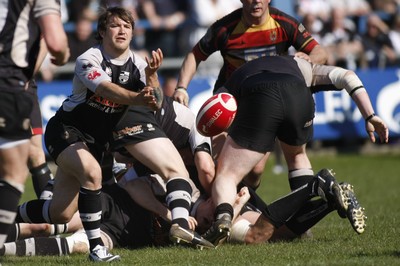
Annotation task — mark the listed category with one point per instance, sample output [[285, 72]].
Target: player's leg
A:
[[15, 108], [13, 174], [160, 155], [253, 178], [233, 164], [77, 162], [299, 165], [37, 164], [47, 246], [40, 171]]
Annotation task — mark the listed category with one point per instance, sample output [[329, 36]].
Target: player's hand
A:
[[243, 196], [192, 223], [376, 124], [149, 96], [61, 58], [181, 96], [303, 56], [154, 63]]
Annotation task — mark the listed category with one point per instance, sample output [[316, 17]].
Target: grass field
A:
[[376, 180]]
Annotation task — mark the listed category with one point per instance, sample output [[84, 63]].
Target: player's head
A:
[[108, 16], [204, 215], [255, 11]]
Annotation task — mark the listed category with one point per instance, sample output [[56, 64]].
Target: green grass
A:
[[376, 182]]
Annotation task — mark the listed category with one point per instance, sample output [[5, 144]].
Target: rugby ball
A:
[[216, 114]]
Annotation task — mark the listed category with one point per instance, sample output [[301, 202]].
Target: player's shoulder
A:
[[279, 15], [93, 54], [138, 60]]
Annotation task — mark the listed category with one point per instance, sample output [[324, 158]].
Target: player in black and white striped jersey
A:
[[108, 77], [22, 25]]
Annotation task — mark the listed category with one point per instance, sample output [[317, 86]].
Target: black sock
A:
[[179, 203], [300, 177], [9, 198], [89, 205], [254, 200], [33, 212], [13, 233], [281, 210], [223, 208], [37, 246], [310, 214], [40, 176]]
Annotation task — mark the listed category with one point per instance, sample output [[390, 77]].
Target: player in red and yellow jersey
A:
[[253, 31]]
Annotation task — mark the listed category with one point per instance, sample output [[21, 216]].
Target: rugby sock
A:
[[40, 176], [13, 233], [300, 177], [34, 211], [222, 209], [36, 246], [179, 201], [281, 210], [9, 198], [310, 214], [89, 205]]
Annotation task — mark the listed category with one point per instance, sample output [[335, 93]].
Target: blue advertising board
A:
[[336, 115]]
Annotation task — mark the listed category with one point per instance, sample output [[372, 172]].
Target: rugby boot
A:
[[180, 235], [219, 230], [101, 254], [330, 191], [355, 213]]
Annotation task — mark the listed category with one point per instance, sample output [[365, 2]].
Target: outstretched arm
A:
[[188, 69], [342, 78]]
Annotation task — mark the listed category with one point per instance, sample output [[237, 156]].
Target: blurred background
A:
[[362, 35]]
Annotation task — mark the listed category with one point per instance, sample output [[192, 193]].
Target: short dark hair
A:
[[116, 11]]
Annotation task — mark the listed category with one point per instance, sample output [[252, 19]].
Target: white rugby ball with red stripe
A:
[[216, 114]]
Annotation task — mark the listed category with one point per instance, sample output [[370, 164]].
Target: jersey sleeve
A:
[[196, 140], [206, 45], [89, 71], [46, 7]]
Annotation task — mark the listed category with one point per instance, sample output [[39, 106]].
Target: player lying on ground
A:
[[127, 225]]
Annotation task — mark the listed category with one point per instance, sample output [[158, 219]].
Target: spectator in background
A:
[[203, 13], [79, 40], [82, 38], [86, 8], [389, 7], [321, 9], [165, 18], [378, 48], [394, 36], [353, 8], [341, 40], [313, 25]]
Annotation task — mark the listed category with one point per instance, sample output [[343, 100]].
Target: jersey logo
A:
[[123, 77], [128, 131], [308, 123], [301, 28], [93, 75], [273, 36], [86, 66], [108, 71]]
